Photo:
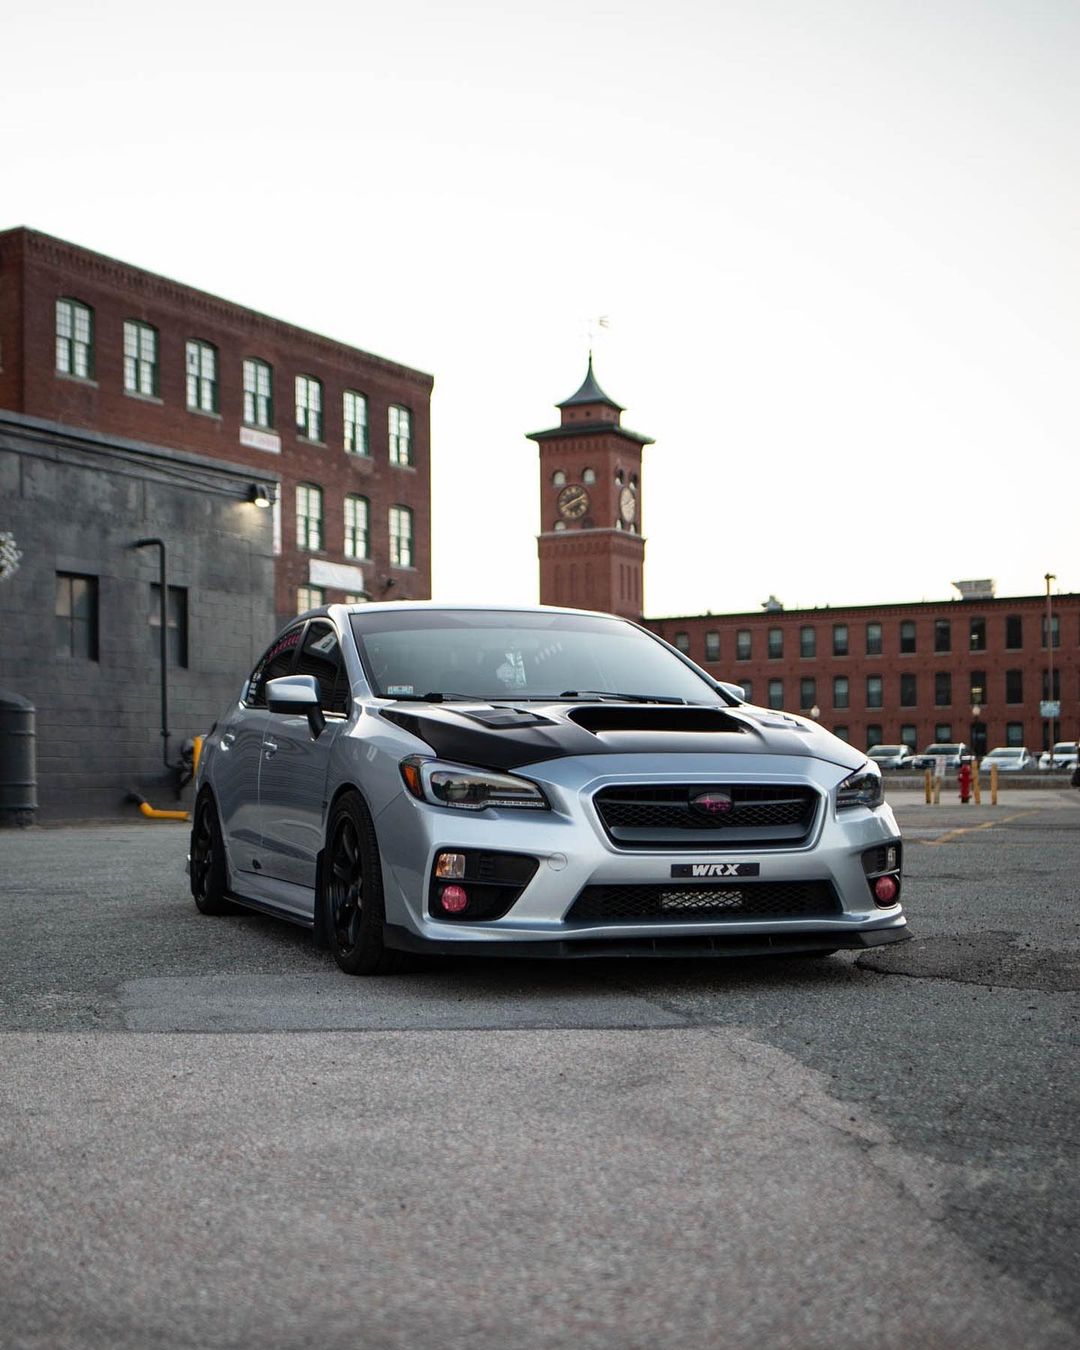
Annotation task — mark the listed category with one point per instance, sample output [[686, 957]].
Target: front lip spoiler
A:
[[697, 945]]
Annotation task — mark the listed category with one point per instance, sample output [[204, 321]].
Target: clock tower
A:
[[590, 544]]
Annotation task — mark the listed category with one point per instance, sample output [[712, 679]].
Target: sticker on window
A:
[[396, 690]]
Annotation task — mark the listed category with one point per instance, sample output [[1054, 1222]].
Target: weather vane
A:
[[594, 326]]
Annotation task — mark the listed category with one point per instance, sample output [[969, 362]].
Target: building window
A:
[[309, 407], [776, 643], [776, 693], [588, 477], [807, 692], [743, 644], [909, 736], [309, 597], [977, 635], [874, 691], [176, 623], [309, 517], [558, 478], [748, 690], [943, 689], [943, 732], [356, 598], [873, 735], [400, 425], [841, 733], [401, 536], [202, 376], [907, 636], [1014, 686], [682, 642], [839, 639], [1014, 733], [712, 646], [873, 639], [840, 694], [140, 358], [808, 642], [909, 696], [1046, 687], [357, 514], [76, 616], [1055, 629], [258, 393], [943, 635], [354, 410], [74, 339], [978, 688], [1014, 631]]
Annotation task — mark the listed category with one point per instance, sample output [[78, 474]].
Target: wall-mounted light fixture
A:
[[260, 494]]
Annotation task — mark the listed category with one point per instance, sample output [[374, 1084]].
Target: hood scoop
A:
[[603, 717]]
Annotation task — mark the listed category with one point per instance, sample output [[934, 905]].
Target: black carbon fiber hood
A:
[[498, 736]]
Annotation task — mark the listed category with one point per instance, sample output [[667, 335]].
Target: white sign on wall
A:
[[261, 440], [340, 576]]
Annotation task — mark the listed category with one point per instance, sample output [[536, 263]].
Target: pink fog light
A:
[[885, 890], [454, 899]]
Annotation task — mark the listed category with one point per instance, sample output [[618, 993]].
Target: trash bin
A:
[[18, 761]]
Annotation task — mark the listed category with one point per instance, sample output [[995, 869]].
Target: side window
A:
[[276, 660], [321, 656]]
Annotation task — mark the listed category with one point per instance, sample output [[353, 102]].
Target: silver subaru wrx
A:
[[532, 782]]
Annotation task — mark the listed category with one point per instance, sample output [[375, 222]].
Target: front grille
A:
[[759, 817], [734, 900]]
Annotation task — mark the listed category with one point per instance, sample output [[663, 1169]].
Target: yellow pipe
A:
[[929, 790], [152, 814]]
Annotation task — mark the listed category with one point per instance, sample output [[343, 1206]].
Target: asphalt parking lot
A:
[[212, 1138]]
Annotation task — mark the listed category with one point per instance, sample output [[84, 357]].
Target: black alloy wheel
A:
[[352, 892], [209, 875]]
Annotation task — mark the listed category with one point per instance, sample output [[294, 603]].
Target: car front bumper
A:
[[573, 852]]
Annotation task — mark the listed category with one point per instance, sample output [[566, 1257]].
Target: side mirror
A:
[[735, 691], [297, 696]]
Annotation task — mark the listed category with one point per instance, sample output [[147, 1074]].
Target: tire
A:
[[353, 908], [209, 874]]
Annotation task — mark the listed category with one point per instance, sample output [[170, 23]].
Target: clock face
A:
[[627, 505], [573, 501]]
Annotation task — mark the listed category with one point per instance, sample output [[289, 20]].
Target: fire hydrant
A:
[[964, 779]]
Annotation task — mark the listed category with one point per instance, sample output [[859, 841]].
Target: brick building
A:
[[87, 341], [906, 673]]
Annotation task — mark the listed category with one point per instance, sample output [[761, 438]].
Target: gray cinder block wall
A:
[[75, 502]]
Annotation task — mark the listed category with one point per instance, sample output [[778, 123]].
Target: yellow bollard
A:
[[993, 784], [937, 791], [975, 781], [927, 776]]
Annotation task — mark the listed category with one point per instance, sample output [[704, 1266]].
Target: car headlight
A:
[[468, 789], [864, 787]]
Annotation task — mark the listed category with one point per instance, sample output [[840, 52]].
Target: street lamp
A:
[[1050, 661]]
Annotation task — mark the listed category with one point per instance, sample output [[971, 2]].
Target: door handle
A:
[[271, 749]]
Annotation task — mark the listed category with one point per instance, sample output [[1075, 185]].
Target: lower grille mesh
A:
[[741, 900]]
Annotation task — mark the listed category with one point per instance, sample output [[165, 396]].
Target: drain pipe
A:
[[159, 544]]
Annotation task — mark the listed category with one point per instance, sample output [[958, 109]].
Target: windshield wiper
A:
[[436, 696], [620, 698]]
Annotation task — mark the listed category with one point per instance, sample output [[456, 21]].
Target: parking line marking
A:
[[950, 835]]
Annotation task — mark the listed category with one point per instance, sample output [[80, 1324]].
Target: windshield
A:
[[885, 751], [942, 750], [1001, 753], [1064, 748], [508, 654]]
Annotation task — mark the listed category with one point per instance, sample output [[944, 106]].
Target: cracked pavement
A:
[[212, 1138]]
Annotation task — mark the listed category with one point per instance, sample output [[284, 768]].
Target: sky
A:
[[837, 244]]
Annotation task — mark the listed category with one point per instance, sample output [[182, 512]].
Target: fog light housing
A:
[[450, 866], [886, 889], [454, 899]]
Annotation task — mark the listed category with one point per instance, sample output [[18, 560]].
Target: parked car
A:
[[952, 752], [890, 756], [531, 782], [1062, 756], [1009, 759]]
